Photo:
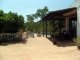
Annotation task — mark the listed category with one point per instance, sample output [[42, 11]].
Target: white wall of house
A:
[[78, 26], [77, 4], [78, 22]]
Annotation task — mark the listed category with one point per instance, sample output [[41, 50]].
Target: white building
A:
[[71, 16]]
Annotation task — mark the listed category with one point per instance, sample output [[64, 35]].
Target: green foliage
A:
[[30, 26], [30, 23], [57, 27], [1, 20], [77, 41], [30, 18], [36, 26], [10, 22], [39, 26], [41, 13]]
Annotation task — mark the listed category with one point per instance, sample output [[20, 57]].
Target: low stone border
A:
[[10, 37]]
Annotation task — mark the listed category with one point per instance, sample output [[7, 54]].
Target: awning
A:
[[59, 14]]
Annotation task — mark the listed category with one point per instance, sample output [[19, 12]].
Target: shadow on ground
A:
[[5, 43], [63, 43]]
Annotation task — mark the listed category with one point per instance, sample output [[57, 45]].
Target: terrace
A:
[[67, 17]]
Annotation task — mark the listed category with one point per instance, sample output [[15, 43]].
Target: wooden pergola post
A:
[[59, 26], [43, 28], [46, 28]]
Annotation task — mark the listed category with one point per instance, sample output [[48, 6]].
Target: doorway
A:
[[73, 26]]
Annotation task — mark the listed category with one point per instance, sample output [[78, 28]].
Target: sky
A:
[[26, 7]]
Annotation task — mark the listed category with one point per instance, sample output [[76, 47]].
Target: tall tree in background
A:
[[39, 15], [30, 23], [21, 22], [36, 26]]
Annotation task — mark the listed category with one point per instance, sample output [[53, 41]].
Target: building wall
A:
[[78, 21], [78, 26], [69, 15], [77, 4]]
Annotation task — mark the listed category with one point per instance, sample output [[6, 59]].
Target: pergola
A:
[[63, 14]]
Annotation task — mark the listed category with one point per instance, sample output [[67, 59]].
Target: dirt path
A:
[[38, 48]]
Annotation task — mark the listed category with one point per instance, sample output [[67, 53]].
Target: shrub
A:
[[77, 41]]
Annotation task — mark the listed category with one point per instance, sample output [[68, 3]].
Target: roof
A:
[[57, 14]]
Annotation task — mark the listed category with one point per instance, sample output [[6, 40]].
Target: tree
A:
[[30, 18], [40, 14], [21, 21], [30, 23], [36, 26]]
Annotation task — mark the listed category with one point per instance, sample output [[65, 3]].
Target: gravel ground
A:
[[38, 48]]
